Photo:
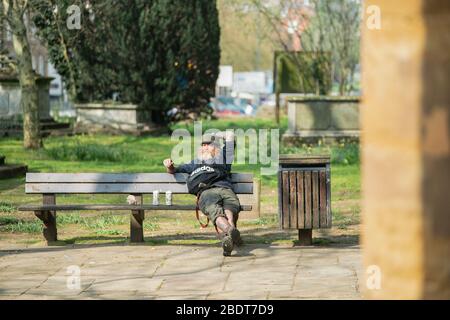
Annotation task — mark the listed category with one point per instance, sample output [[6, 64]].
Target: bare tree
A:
[[15, 13], [323, 26], [342, 37]]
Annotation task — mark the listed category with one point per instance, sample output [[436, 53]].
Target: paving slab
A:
[[255, 271], [104, 285], [238, 295]]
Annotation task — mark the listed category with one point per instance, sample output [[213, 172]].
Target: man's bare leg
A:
[[224, 232], [230, 218], [223, 225]]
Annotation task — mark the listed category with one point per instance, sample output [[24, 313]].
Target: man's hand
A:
[[168, 163]]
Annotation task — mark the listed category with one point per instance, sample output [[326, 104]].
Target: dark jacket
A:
[[224, 159]]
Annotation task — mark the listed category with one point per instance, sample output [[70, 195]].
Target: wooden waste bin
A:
[[304, 194]]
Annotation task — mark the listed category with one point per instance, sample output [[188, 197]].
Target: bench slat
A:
[[111, 207], [127, 188], [32, 177]]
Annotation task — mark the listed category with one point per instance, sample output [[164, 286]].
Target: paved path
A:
[[180, 272]]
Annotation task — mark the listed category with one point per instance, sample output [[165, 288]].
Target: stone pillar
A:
[[405, 150]]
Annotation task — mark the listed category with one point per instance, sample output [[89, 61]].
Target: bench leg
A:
[[305, 237], [136, 222], [136, 226], [49, 220]]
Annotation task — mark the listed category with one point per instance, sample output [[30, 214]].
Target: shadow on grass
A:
[[9, 184]]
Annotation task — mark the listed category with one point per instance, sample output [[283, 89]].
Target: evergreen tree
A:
[[158, 53], [81, 56]]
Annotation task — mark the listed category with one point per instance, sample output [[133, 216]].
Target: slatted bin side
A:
[[304, 194], [324, 207], [284, 187], [289, 200]]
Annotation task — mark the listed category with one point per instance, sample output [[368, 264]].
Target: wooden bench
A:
[[137, 184]]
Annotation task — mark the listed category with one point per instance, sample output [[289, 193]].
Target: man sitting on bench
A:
[[209, 179]]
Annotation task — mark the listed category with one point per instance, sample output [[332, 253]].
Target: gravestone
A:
[[314, 118], [11, 113], [116, 118]]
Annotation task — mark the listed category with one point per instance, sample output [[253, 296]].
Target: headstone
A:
[[314, 118]]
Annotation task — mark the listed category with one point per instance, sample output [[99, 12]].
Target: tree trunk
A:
[[27, 77], [72, 87], [342, 81], [341, 87], [277, 108]]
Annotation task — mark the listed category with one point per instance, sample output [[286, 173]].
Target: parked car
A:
[[225, 106]]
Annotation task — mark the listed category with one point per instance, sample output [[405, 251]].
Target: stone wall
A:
[[405, 150], [322, 118]]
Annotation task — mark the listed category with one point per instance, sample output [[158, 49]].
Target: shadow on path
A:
[[255, 238]]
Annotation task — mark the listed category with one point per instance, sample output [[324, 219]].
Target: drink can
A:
[[155, 197], [169, 198]]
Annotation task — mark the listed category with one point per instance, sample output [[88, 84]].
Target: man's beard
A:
[[206, 154]]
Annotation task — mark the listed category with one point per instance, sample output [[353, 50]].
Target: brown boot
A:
[[236, 236], [227, 245]]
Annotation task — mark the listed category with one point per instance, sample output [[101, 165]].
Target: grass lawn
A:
[[102, 153]]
